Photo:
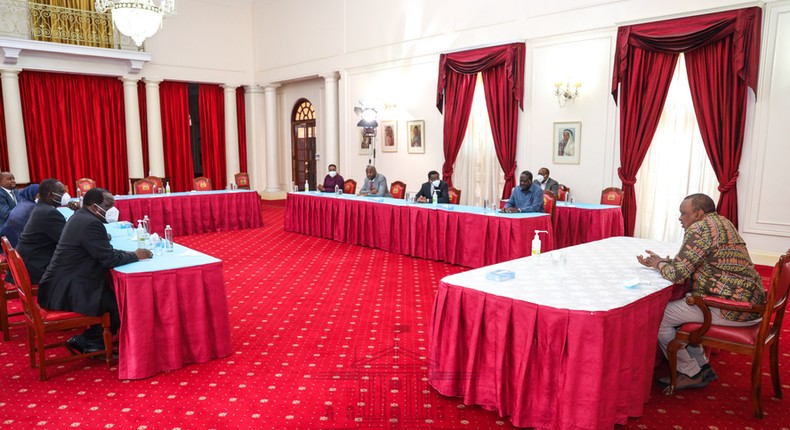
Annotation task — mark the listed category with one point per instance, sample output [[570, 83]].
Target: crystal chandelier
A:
[[138, 19]]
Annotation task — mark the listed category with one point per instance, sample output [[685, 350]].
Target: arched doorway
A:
[[303, 143]]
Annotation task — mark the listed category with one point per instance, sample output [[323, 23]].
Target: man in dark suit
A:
[[8, 195], [434, 183], [77, 278], [545, 182]]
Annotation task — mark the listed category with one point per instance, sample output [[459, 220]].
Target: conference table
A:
[[194, 212], [560, 345], [463, 235], [577, 223]]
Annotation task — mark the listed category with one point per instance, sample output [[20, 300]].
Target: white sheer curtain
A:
[[477, 172], [676, 165]]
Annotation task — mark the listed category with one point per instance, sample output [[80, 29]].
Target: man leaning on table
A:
[[331, 180], [425, 195], [527, 197], [375, 184], [77, 278], [714, 259]]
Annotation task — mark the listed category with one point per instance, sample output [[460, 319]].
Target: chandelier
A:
[[138, 19]]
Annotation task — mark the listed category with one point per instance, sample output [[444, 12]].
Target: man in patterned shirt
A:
[[714, 259]]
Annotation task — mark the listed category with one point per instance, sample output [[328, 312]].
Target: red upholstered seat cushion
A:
[[742, 335], [51, 316], [9, 286]]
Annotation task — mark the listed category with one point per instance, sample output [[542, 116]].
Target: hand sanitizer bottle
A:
[[306, 186], [435, 197], [536, 242], [140, 234], [167, 188]]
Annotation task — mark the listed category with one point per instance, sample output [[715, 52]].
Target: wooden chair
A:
[[349, 186], [143, 186], [455, 195], [549, 204], [157, 181], [9, 293], [242, 180], [612, 196], [202, 183], [85, 184], [398, 190], [750, 340], [562, 193], [41, 321]]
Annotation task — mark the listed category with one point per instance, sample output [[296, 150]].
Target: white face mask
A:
[[540, 178], [110, 215], [65, 198], [332, 173], [436, 183]]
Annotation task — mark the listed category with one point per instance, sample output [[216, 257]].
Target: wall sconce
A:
[[565, 94]]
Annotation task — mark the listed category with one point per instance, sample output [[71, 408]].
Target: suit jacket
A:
[[77, 277], [39, 239], [6, 204], [551, 185], [379, 183], [442, 193]]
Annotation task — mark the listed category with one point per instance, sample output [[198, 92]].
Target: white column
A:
[[14, 126], [272, 160], [231, 133], [331, 140], [134, 140], [156, 152], [256, 138]]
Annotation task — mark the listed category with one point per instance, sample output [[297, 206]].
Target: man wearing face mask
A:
[[375, 184], [8, 195], [331, 181], [434, 184], [77, 277], [546, 183]]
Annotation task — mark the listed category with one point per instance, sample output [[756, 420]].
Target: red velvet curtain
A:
[[75, 128], [142, 104], [731, 56], [211, 102], [174, 104], [241, 120], [457, 72], [503, 115], [4, 164]]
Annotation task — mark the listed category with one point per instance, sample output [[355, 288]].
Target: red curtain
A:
[[142, 104], [457, 73], [75, 128], [174, 104], [731, 42], [4, 164], [211, 102], [241, 120]]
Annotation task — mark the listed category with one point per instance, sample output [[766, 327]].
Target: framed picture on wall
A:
[[363, 142], [388, 130], [567, 142], [416, 138]]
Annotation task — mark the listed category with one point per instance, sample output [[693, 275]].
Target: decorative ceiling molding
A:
[[13, 49]]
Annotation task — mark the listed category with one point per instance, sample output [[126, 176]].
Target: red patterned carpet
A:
[[325, 335]]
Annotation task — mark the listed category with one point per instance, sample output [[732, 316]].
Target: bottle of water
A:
[[337, 190], [146, 225], [306, 186], [167, 188], [168, 239]]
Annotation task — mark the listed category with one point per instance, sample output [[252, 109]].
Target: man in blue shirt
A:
[[527, 197]]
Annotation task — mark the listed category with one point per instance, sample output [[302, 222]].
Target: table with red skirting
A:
[[577, 223]]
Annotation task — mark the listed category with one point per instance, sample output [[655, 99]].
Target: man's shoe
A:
[[684, 381], [74, 345], [708, 374]]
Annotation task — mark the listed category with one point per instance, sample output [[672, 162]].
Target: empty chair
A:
[[750, 340], [242, 180], [549, 203], [202, 183], [455, 195], [350, 186], [398, 190], [562, 193], [156, 180], [85, 184], [143, 186], [612, 196], [41, 321]]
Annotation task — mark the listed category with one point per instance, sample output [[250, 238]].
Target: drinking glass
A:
[[485, 205]]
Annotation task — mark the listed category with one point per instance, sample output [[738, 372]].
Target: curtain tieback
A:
[[729, 185], [509, 175], [623, 179]]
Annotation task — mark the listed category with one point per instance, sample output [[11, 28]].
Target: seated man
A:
[[9, 195], [434, 183], [17, 218], [546, 183], [77, 277], [714, 259], [375, 184], [331, 181], [527, 197]]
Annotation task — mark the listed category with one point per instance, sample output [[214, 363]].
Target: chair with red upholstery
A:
[[455, 195], [398, 190], [159, 182], [749, 340], [549, 204], [612, 196], [562, 193], [202, 183], [85, 184], [242, 180], [41, 321], [349, 186], [9, 293], [143, 186]]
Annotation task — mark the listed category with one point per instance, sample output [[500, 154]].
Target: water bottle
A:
[[306, 186], [168, 239], [337, 190], [146, 225], [293, 186], [167, 188]]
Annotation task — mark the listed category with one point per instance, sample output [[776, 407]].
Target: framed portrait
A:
[[416, 138], [567, 142], [388, 130], [363, 142]]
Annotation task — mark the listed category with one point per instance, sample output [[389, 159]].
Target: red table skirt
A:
[[195, 213], [575, 225], [546, 368], [465, 239], [171, 318]]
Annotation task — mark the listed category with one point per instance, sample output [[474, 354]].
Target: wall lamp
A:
[[565, 94]]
